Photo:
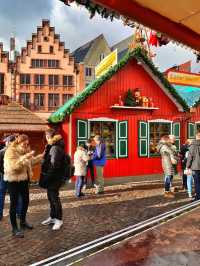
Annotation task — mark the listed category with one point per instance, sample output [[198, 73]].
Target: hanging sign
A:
[[108, 62], [184, 78]]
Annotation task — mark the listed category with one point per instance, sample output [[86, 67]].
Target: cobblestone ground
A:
[[84, 219]]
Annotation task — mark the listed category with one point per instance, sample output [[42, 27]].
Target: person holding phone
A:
[[18, 161]]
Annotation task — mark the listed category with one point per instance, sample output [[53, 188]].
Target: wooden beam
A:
[[154, 20]]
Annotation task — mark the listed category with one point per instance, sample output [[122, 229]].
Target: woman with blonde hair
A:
[[18, 161]]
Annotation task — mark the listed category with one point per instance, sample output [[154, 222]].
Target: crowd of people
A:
[[189, 158], [17, 160]]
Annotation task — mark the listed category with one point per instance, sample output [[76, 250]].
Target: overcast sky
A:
[[21, 18]]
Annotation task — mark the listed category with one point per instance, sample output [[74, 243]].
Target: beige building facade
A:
[[88, 56], [5, 76], [46, 73]]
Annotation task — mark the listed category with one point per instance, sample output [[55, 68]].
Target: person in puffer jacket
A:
[[168, 160], [193, 164], [18, 162]]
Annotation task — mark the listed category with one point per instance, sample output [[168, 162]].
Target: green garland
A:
[[137, 53], [94, 9]]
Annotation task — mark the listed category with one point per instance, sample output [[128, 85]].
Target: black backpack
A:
[[68, 168]]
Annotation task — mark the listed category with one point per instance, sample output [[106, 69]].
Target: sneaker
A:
[[95, 185], [17, 233], [26, 225], [190, 195], [57, 225], [48, 221], [84, 187]]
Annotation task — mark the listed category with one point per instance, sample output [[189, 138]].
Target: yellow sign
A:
[[184, 78], [108, 62]]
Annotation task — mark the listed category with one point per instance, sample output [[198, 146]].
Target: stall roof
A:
[[180, 20], [140, 55], [15, 117]]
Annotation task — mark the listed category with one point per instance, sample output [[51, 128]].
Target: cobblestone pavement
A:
[[175, 243], [84, 219]]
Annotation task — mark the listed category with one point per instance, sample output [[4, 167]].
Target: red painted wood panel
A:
[[98, 105]]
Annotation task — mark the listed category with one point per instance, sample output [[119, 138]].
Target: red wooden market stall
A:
[[131, 133]]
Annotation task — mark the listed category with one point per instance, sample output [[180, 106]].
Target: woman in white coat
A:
[[80, 163]]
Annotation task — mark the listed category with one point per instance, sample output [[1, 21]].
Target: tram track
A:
[[71, 256]]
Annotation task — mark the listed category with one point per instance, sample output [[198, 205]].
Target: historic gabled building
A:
[[4, 72], [46, 72], [88, 56]]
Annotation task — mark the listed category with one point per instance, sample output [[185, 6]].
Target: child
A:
[[80, 163]]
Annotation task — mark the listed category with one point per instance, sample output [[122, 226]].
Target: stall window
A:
[[156, 131], [191, 130], [107, 130]]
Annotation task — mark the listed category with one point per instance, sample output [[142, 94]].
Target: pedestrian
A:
[[183, 150], [99, 160], [172, 140], [52, 176], [3, 184], [168, 160], [193, 163], [80, 163], [188, 174], [18, 161], [90, 166]]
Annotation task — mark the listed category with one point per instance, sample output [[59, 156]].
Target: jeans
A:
[[189, 184], [90, 168], [196, 175], [55, 203], [168, 182], [100, 178], [3, 190], [184, 178], [80, 180], [17, 189]]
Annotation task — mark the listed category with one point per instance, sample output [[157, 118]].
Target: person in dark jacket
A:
[[99, 160], [193, 163], [4, 184], [52, 176], [90, 166], [183, 150]]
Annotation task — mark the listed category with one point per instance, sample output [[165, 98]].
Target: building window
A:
[[44, 63], [107, 130], [66, 97], [1, 83], [53, 100], [25, 79], [53, 63], [53, 80], [39, 79], [68, 81], [25, 99], [51, 49], [101, 57], [88, 71], [39, 49], [156, 131], [39, 100], [46, 39]]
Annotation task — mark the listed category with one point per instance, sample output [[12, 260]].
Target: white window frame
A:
[[163, 121]]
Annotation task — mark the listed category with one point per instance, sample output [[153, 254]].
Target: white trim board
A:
[[103, 119]]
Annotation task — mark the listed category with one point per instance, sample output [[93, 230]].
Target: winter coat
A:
[[53, 169], [80, 162], [184, 149], [193, 160], [99, 158], [17, 163], [2, 153], [167, 154]]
